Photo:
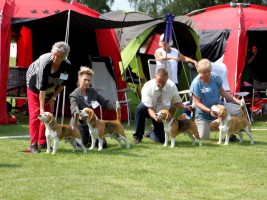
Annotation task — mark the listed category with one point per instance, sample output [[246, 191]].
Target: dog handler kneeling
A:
[[158, 93], [207, 90]]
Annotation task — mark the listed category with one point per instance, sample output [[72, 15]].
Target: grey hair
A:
[[161, 70], [62, 47]]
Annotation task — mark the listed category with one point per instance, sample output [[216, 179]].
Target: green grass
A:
[[12, 61], [145, 171]]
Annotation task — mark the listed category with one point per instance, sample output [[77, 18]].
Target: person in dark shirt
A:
[[45, 78], [84, 96]]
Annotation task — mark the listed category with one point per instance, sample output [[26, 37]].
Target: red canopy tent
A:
[[247, 24], [103, 41]]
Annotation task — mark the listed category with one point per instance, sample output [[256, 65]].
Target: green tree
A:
[[158, 8]]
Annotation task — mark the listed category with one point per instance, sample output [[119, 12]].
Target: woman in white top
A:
[[173, 57]]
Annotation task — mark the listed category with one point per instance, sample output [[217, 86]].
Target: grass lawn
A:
[[145, 171]]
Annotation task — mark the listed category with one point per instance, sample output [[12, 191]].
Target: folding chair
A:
[[221, 70], [104, 81], [259, 93]]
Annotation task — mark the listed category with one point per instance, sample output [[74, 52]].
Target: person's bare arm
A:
[[187, 59]]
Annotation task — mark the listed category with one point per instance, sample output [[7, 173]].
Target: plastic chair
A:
[[259, 92], [104, 81]]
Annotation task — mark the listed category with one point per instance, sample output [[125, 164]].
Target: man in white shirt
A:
[[158, 93]]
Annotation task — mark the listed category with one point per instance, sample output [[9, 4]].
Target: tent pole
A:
[[64, 90], [140, 86]]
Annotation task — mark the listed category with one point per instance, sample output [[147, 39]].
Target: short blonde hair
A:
[[85, 70], [203, 65]]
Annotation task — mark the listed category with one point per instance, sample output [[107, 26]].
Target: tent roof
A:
[[125, 36], [255, 16], [44, 8], [80, 19]]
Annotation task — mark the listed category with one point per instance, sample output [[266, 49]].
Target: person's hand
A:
[[158, 120], [188, 108], [213, 114], [177, 59], [195, 63], [42, 110]]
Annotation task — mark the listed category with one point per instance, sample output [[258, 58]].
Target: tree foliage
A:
[[158, 8]]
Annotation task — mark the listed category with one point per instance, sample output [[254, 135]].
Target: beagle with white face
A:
[[56, 132], [230, 124], [100, 129], [174, 127]]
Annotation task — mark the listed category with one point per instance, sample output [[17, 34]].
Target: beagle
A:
[[99, 129], [56, 132], [174, 127], [229, 124]]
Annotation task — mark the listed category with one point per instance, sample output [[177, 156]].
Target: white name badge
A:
[[167, 103], [205, 90], [64, 76], [95, 104]]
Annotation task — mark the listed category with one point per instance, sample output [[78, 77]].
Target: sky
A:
[[121, 5]]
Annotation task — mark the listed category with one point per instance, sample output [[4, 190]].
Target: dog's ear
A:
[[168, 116], [93, 119], [52, 122], [222, 114]]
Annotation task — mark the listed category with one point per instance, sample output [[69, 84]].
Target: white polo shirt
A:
[[150, 93]]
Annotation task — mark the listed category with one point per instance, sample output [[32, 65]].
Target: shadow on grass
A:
[[8, 165]]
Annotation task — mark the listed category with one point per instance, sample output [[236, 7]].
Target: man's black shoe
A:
[[233, 138], [136, 141]]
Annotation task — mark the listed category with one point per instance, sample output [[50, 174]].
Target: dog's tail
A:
[[77, 116], [118, 111]]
